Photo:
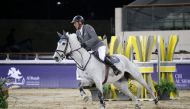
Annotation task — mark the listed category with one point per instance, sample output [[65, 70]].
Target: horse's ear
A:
[[59, 34], [64, 33]]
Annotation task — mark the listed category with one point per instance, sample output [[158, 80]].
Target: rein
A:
[[81, 67]]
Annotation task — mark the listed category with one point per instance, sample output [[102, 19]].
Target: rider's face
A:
[[77, 25]]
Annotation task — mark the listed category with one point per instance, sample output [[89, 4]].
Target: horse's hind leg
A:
[[142, 81], [123, 86]]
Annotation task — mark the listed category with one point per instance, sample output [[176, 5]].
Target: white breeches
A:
[[102, 52]]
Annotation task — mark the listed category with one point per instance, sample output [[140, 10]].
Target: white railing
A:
[[46, 58]]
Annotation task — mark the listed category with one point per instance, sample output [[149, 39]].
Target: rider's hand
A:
[[83, 45]]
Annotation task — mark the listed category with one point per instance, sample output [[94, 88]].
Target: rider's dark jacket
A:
[[89, 37]]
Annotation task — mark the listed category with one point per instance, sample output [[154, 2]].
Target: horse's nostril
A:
[[56, 58]]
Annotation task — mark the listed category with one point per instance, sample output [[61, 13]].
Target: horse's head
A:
[[62, 47]]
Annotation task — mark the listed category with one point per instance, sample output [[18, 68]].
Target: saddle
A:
[[113, 59], [109, 62]]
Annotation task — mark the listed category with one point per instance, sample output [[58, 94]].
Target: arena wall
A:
[[49, 74]]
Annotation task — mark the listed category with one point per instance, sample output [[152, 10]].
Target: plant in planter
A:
[[164, 88], [3, 94]]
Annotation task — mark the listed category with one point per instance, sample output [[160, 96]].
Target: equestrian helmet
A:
[[78, 18]]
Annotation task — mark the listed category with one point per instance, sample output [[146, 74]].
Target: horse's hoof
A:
[[137, 106], [156, 101], [85, 98], [102, 107]]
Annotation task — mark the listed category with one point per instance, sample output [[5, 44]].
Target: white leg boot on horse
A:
[[122, 84]]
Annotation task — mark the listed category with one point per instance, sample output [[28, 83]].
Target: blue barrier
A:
[[40, 75], [46, 75]]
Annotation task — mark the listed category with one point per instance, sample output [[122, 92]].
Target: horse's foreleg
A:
[[83, 93], [101, 98], [100, 95]]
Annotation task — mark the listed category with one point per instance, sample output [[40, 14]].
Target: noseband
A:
[[64, 51]]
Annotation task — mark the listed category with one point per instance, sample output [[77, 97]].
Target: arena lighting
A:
[[59, 3]]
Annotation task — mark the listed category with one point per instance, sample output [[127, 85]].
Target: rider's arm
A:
[[93, 36]]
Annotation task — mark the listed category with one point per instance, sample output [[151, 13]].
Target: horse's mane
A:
[[74, 40]]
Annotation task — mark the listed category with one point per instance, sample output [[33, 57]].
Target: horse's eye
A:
[[63, 43]]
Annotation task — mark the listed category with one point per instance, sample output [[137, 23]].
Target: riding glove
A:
[[83, 45]]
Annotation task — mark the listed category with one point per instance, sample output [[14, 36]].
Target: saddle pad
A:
[[114, 59]]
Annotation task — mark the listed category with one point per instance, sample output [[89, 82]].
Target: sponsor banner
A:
[[181, 76], [64, 75], [40, 75]]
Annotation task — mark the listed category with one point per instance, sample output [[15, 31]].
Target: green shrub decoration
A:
[[165, 86], [3, 94]]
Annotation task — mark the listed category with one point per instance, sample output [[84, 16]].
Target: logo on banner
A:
[[33, 81], [181, 81], [15, 76]]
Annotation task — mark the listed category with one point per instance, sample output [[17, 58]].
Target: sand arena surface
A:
[[70, 99]]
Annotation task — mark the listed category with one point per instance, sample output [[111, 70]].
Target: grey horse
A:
[[92, 71]]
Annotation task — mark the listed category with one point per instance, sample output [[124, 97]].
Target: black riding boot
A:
[[109, 63]]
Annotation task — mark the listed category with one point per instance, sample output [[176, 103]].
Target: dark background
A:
[[50, 9], [31, 25]]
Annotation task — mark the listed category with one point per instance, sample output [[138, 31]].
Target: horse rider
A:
[[90, 41]]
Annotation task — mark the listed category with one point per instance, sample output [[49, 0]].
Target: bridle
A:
[[69, 54], [63, 51]]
